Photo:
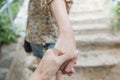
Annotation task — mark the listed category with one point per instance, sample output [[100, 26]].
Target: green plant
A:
[[116, 9], [2, 2], [116, 17], [6, 34]]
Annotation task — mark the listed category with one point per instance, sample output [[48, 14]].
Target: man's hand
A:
[[50, 64]]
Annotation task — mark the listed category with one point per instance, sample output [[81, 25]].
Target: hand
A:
[[50, 64], [60, 75], [61, 72], [64, 65], [66, 43]]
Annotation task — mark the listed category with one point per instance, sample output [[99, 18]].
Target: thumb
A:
[[68, 56]]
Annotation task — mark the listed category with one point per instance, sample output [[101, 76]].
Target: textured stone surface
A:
[[96, 60], [3, 76], [91, 29], [6, 58], [3, 73], [6, 63], [98, 40], [19, 69]]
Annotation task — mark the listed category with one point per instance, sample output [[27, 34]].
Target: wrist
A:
[[66, 31], [67, 34]]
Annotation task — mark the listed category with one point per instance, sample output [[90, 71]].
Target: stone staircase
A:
[[99, 47]]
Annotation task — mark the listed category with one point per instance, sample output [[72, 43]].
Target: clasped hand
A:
[[53, 62]]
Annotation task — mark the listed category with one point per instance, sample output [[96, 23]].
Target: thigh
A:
[[37, 50]]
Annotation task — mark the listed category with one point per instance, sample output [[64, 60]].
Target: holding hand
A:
[[50, 64]]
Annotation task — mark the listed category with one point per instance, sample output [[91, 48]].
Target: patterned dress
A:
[[42, 27]]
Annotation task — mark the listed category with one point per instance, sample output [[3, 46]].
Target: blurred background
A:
[[96, 25]]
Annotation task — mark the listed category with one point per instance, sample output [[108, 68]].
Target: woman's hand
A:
[[61, 72], [67, 45], [60, 75]]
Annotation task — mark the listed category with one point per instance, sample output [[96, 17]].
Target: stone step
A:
[[82, 6], [85, 9], [80, 12], [75, 17], [91, 29], [85, 2], [98, 41], [96, 59], [87, 12], [81, 21], [78, 9], [89, 19]]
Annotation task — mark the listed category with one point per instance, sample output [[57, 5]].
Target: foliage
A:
[[116, 17], [6, 34], [116, 9], [2, 2]]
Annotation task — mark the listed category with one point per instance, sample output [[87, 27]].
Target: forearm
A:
[[61, 16]]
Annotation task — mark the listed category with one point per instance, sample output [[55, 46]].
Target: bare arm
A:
[[66, 41], [61, 16]]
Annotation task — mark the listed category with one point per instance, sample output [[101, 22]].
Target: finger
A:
[[71, 63], [71, 72], [68, 56], [62, 68]]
